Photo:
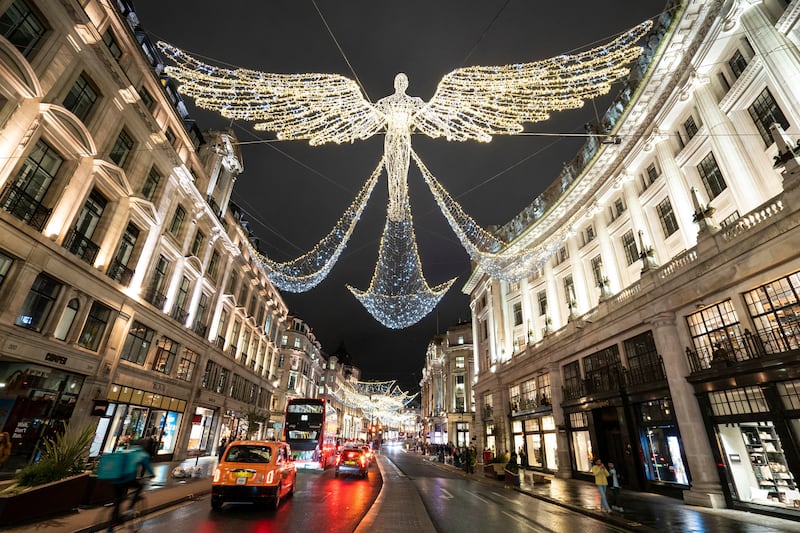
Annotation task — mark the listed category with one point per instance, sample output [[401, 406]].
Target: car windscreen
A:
[[249, 453]]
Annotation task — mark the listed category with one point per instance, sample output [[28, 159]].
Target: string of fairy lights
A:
[[471, 103], [383, 400]]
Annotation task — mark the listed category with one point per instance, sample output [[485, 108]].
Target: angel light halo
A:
[[471, 103]]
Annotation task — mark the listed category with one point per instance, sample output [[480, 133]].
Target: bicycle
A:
[[131, 516]]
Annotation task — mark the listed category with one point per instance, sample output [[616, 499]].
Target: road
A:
[[322, 503]]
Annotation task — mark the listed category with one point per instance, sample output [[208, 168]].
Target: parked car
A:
[[251, 471], [352, 461]]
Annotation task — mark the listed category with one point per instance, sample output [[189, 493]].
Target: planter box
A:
[[98, 492], [37, 502], [494, 470], [511, 478]]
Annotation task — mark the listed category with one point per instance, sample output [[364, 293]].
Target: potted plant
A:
[[511, 474], [57, 478], [497, 467]]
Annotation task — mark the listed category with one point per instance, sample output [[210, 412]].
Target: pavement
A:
[[399, 508]]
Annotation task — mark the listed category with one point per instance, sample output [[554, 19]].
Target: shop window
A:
[[756, 463], [38, 303], [581, 441], [663, 451], [741, 401], [23, 27], [713, 328], [137, 343], [95, 326]]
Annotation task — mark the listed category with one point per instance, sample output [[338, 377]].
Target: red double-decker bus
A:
[[310, 429]]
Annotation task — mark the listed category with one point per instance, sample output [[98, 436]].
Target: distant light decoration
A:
[[471, 103], [376, 399]]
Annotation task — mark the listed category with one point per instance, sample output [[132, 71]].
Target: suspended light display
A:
[[471, 103]]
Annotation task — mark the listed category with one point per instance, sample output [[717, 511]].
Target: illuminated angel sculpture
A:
[[471, 103]]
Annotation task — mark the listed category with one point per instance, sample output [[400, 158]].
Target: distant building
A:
[[660, 328], [129, 298], [447, 398]]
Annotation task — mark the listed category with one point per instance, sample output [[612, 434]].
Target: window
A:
[[714, 324], [122, 149], [590, 235], [232, 281], [619, 208], [569, 290], [112, 45], [165, 355], [292, 381], [5, 266], [24, 198], [652, 173], [563, 255], [775, 310], [711, 176], [542, 298], [765, 111], [150, 184], [137, 343], [572, 380], [200, 325], [518, 314], [602, 369], [629, 245], [690, 126], [95, 327], [118, 269], [243, 290], [186, 365], [170, 135], [66, 320], [297, 342], [38, 303], [667, 217], [159, 274], [177, 221], [22, 27], [460, 361], [179, 311], [197, 243], [737, 63], [213, 266], [81, 97]]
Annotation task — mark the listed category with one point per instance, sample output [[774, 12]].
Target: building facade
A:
[[659, 331], [130, 298], [446, 388]]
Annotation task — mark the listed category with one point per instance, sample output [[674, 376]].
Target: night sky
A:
[[294, 193]]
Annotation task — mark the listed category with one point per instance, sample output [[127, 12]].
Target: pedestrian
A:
[[614, 488], [222, 444], [473, 458], [513, 457], [523, 464], [601, 480]]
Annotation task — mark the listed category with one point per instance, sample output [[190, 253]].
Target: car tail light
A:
[[270, 476], [217, 474]]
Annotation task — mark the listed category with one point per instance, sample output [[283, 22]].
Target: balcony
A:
[[120, 273], [220, 342], [81, 246], [201, 329], [615, 379], [25, 207], [749, 346], [232, 350], [155, 298]]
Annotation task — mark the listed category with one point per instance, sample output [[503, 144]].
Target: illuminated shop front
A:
[[34, 401], [538, 437], [133, 414], [202, 431]]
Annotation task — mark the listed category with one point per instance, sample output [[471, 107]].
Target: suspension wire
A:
[[485, 31], [341, 51]]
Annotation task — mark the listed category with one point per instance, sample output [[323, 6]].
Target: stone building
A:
[[446, 389], [130, 298], [659, 329]]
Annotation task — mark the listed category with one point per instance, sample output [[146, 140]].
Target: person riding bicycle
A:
[[137, 467]]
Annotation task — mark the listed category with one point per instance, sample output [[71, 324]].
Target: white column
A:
[[706, 489]]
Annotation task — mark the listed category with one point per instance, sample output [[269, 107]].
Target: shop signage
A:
[[196, 419], [55, 358], [159, 387]]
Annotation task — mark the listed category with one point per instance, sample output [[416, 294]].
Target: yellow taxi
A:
[[254, 471]]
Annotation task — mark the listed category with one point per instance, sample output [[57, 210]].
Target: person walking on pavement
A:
[[601, 480], [614, 488]]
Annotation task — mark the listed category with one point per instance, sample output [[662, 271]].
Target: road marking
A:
[[447, 494], [484, 500], [506, 498], [523, 522]]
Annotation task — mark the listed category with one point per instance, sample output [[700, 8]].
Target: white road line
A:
[[447, 494], [523, 522], [506, 498], [484, 500]]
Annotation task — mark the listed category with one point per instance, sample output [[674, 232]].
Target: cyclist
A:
[[137, 467]]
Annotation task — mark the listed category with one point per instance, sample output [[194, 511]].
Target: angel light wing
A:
[[322, 108], [474, 103]]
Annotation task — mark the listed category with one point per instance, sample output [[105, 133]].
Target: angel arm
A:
[[321, 108], [478, 102]]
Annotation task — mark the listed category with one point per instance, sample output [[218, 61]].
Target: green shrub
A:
[[64, 455]]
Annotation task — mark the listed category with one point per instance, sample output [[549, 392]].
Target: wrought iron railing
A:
[[25, 207], [617, 378], [179, 314], [155, 298], [120, 273], [733, 349]]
